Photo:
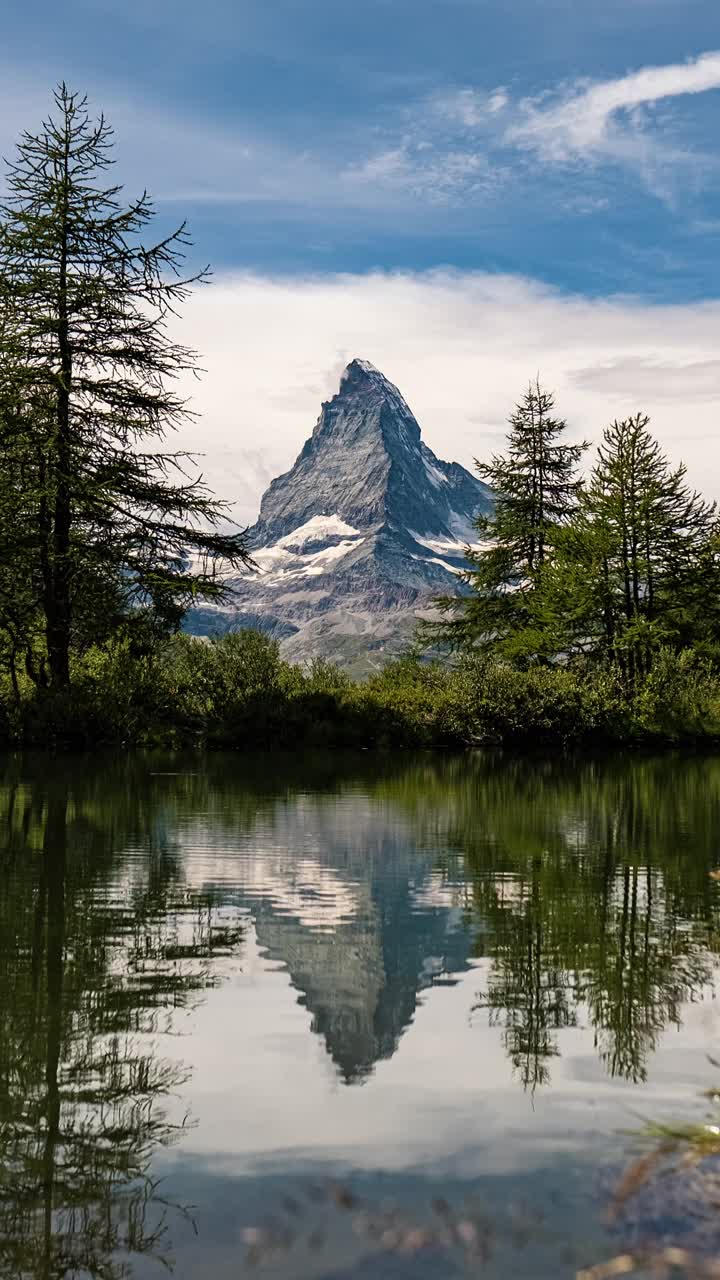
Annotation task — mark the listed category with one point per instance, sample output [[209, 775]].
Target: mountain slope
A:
[[353, 542]]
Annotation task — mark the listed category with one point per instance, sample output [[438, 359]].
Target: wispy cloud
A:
[[628, 378], [189, 159], [466, 149], [470, 107], [443, 150], [195, 161], [427, 171], [602, 118], [615, 122]]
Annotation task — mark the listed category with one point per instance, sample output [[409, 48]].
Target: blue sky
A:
[[304, 136], [464, 192]]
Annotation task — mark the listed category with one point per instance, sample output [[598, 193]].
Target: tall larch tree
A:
[[89, 369]]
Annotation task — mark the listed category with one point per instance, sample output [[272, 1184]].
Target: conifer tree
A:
[[536, 492], [639, 567], [88, 370]]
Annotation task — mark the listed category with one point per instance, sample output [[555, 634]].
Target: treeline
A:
[[606, 572], [236, 693]]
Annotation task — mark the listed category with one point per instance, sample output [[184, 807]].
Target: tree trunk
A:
[[14, 678], [58, 614]]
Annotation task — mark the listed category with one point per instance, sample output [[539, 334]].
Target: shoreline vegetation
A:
[[236, 693]]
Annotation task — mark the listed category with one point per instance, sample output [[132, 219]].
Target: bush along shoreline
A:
[[236, 693]]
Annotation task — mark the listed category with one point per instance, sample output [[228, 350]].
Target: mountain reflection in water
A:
[[570, 903]]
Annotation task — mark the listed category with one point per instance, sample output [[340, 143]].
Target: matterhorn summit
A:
[[352, 544]]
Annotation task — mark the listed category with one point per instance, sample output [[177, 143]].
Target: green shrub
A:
[[679, 699], [236, 692], [494, 702], [407, 704]]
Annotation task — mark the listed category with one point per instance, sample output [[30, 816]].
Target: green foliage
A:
[[236, 692], [494, 702], [680, 697], [409, 703], [614, 571]]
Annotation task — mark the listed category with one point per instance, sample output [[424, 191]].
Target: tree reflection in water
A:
[[588, 887], [85, 980]]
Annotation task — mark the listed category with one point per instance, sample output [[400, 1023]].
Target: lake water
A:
[[348, 1016]]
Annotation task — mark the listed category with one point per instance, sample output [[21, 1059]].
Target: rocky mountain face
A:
[[353, 543]]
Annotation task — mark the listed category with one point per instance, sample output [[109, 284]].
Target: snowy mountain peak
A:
[[366, 528], [361, 366], [363, 377], [382, 407]]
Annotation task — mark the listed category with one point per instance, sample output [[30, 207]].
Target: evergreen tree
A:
[[639, 567], [88, 369], [536, 488]]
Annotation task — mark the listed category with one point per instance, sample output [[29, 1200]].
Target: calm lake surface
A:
[[347, 1016]]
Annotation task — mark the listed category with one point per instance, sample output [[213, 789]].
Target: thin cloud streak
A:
[[586, 121], [685, 383], [191, 160]]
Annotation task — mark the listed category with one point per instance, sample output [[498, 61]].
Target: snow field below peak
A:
[[315, 529]]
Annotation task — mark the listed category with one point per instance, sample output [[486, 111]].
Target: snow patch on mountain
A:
[[317, 528], [308, 551], [434, 474], [446, 546], [449, 568]]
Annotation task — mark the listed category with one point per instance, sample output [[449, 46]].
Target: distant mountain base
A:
[[358, 640]]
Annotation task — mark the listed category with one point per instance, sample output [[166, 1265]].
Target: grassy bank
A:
[[237, 693]]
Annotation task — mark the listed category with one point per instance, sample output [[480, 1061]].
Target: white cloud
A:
[[596, 120], [446, 149], [470, 107], [380, 167], [456, 146], [686, 382], [421, 170], [460, 347]]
